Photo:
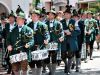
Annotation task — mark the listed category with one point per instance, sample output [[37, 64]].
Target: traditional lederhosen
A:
[[40, 34], [18, 39]]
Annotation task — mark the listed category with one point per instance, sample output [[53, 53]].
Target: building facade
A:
[[93, 5], [57, 4], [7, 5]]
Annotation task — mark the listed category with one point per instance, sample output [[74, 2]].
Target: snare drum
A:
[[39, 55], [18, 57], [52, 46]]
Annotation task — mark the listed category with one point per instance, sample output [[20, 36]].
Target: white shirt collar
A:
[[21, 28], [35, 25], [76, 23], [12, 24], [3, 26], [67, 21], [51, 21], [36, 22]]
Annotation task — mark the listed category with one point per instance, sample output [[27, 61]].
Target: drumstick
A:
[[18, 47], [41, 46]]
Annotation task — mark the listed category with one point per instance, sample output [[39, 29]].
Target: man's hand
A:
[[65, 31], [88, 33], [9, 48], [27, 46], [68, 33], [45, 42], [61, 39]]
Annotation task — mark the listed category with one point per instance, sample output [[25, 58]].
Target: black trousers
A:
[[78, 52], [37, 63], [91, 44], [9, 65], [52, 58]]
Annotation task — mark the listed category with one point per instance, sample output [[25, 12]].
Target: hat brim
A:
[[75, 15], [11, 16], [67, 12], [20, 17], [89, 13], [35, 13], [51, 12]]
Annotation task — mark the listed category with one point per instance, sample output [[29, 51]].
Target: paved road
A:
[[92, 67]]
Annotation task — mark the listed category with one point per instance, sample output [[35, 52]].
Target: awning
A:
[[83, 1], [60, 2]]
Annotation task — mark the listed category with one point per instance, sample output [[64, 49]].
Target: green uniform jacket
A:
[[18, 39], [6, 30], [41, 33], [90, 27], [56, 31]]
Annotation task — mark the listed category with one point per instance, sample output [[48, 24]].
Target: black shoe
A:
[[88, 54], [49, 73], [73, 66], [91, 58], [68, 73], [98, 48], [85, 61], [77, 69], [58, 62], [65, 70], [13, 73], [44, 71], [8, 72]]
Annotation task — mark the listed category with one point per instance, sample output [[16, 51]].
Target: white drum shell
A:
[[39, 54], [52, 46], [18, 57]]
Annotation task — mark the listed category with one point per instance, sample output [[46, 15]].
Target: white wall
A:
[[13, 4], [73, 2], [87, 0], [7, 4], [24, 5]]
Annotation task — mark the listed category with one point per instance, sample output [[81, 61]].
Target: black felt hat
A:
[[75, 13], [68, 9], [52, 11]]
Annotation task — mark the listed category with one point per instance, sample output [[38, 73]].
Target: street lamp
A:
[[67, 2], [51, 4]]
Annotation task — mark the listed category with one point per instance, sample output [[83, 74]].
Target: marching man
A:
[[19, 40], [41, 38], [70, 44], [57, 36]]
